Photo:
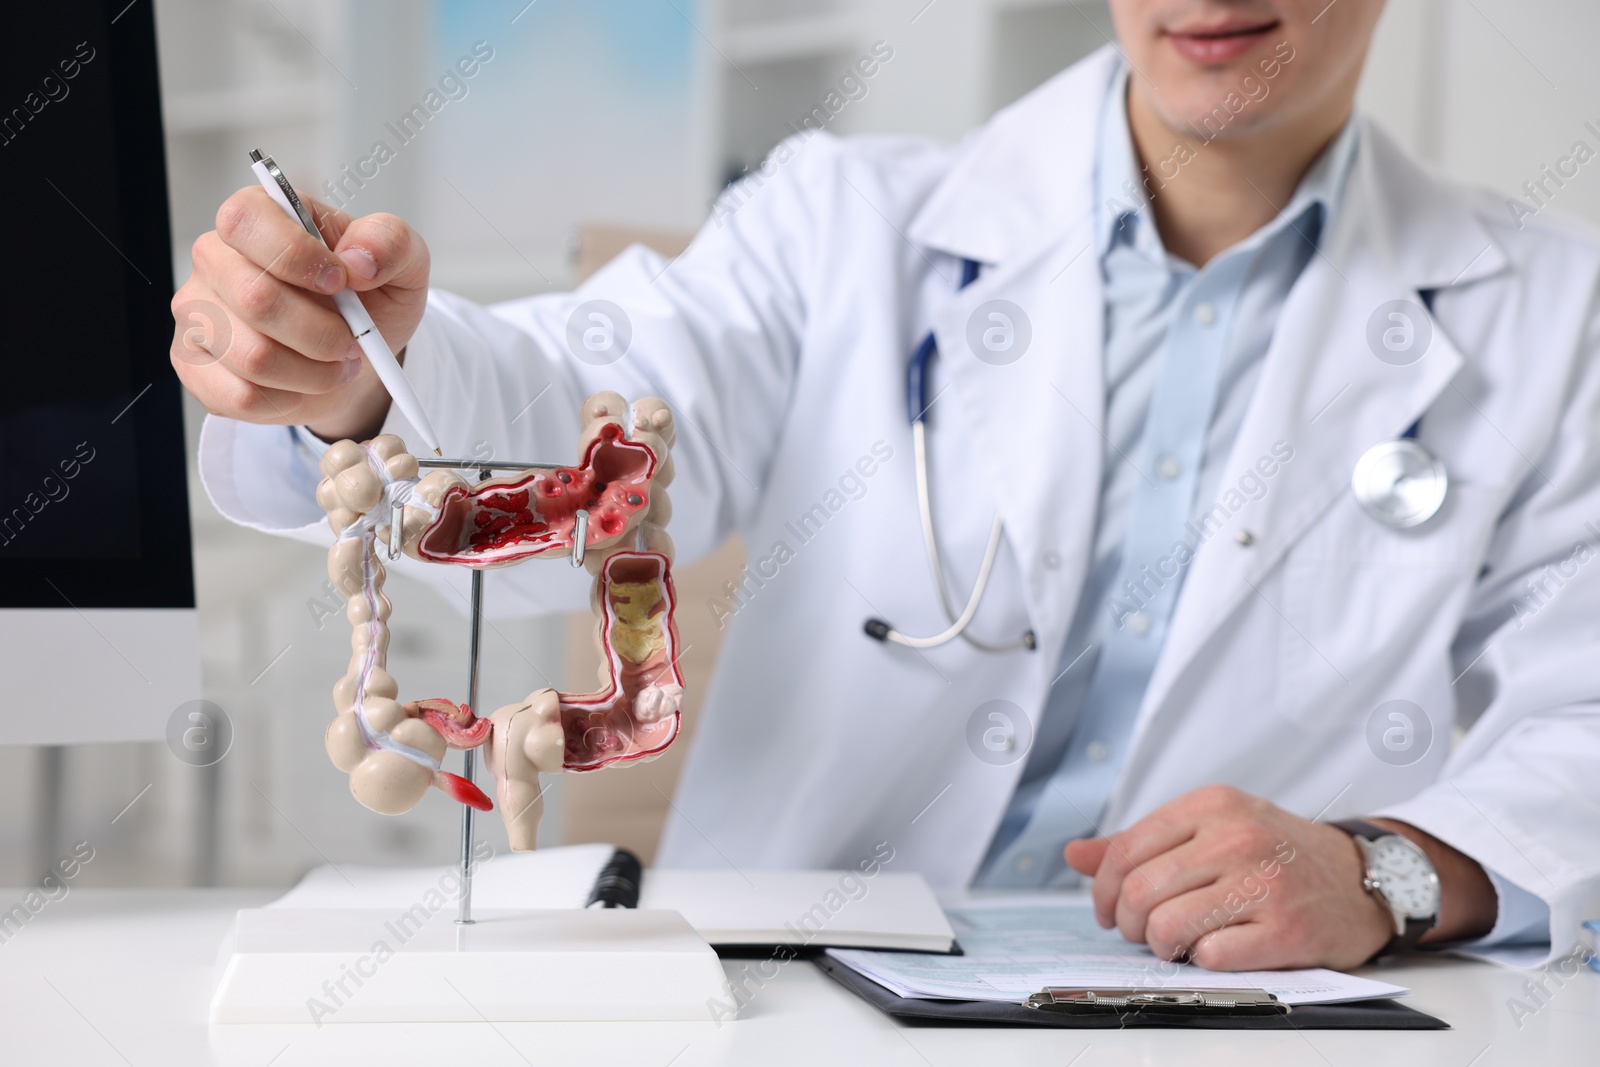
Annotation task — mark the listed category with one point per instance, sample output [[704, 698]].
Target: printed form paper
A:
[[1015, 947]]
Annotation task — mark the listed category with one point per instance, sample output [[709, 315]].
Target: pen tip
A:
[[437, 452]]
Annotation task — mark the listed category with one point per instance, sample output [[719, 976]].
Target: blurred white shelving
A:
[[237, 74], [187, 114], [954, 62], [798, 38], [283, 74]]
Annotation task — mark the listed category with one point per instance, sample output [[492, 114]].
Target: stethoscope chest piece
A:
[[1400, 483]]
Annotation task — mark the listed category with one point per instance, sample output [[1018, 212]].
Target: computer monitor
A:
[[99, 639]]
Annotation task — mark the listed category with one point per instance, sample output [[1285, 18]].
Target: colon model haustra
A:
[[393, 750]]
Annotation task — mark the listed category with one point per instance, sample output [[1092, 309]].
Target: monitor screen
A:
[[93, 505]]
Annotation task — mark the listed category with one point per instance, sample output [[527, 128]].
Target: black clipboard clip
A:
[[1158, 1001]]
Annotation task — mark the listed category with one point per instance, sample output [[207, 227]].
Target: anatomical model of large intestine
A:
[[392, 750]]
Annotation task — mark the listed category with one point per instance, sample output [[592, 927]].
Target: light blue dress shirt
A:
[[1183, 350]]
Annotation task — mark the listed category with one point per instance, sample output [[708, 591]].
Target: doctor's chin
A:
[[807, 529]]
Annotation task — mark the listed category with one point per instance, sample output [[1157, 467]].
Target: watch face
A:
[[1405, 877]]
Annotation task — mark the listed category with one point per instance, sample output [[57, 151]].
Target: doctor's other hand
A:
[[283, 354], [1232, 882]]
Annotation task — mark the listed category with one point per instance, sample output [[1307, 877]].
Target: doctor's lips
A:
[[1222, 42]]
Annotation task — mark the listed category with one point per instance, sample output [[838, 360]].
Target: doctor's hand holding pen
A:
[[284, 354], [1232, 882]]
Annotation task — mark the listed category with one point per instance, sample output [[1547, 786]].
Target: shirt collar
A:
[[1122, 203]]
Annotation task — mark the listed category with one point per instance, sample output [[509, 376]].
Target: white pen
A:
[[350, 306]]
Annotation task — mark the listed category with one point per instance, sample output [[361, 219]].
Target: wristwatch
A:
[[1401, 876]]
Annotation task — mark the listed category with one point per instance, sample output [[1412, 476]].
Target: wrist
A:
[[362, 415], [1401, 878], [1375, 926], [1468, 903]]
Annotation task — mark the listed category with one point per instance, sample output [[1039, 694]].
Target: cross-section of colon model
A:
[[615, 500]]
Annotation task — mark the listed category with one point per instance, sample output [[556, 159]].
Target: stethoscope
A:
[[917, 403], [1399, 483]]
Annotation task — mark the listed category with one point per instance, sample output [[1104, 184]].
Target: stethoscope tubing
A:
[[917, 403], [958, 623]]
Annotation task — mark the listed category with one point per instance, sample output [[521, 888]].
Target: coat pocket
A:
[[1370, 611]]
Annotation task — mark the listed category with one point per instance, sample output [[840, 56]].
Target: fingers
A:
[[257, 337], [1178, 926], [1196, 928], [250, 223], [381, 250], [331, 221], [264, 362], [1143, 887], [260, 361], [1243, 946], [273, 308], [1234, 821], [1164, 829], [1160, 879], [279, 344], [221, 392], [1086, 854]]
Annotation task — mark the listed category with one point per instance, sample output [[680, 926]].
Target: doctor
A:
[[1174, 299]]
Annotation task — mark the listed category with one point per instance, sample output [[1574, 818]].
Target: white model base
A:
[[289, 965]]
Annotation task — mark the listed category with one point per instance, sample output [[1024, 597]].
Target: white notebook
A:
[[834, 909]]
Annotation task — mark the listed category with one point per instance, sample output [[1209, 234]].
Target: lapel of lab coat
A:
[[1322, 391], [1019, 200]]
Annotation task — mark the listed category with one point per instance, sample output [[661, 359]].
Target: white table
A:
[[123, 977]]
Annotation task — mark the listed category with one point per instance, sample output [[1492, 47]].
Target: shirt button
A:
[[1025, 862], [1139, 624], [1098, 751], [1052, 560], [1168, 467], [1205, 313]]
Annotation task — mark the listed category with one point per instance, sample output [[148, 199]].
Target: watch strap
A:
[[1414, 928], [1361, 828]]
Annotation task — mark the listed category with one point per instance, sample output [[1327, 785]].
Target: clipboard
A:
[[1103, 1009]]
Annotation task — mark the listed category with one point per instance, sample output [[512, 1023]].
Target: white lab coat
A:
[[781, 339]]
